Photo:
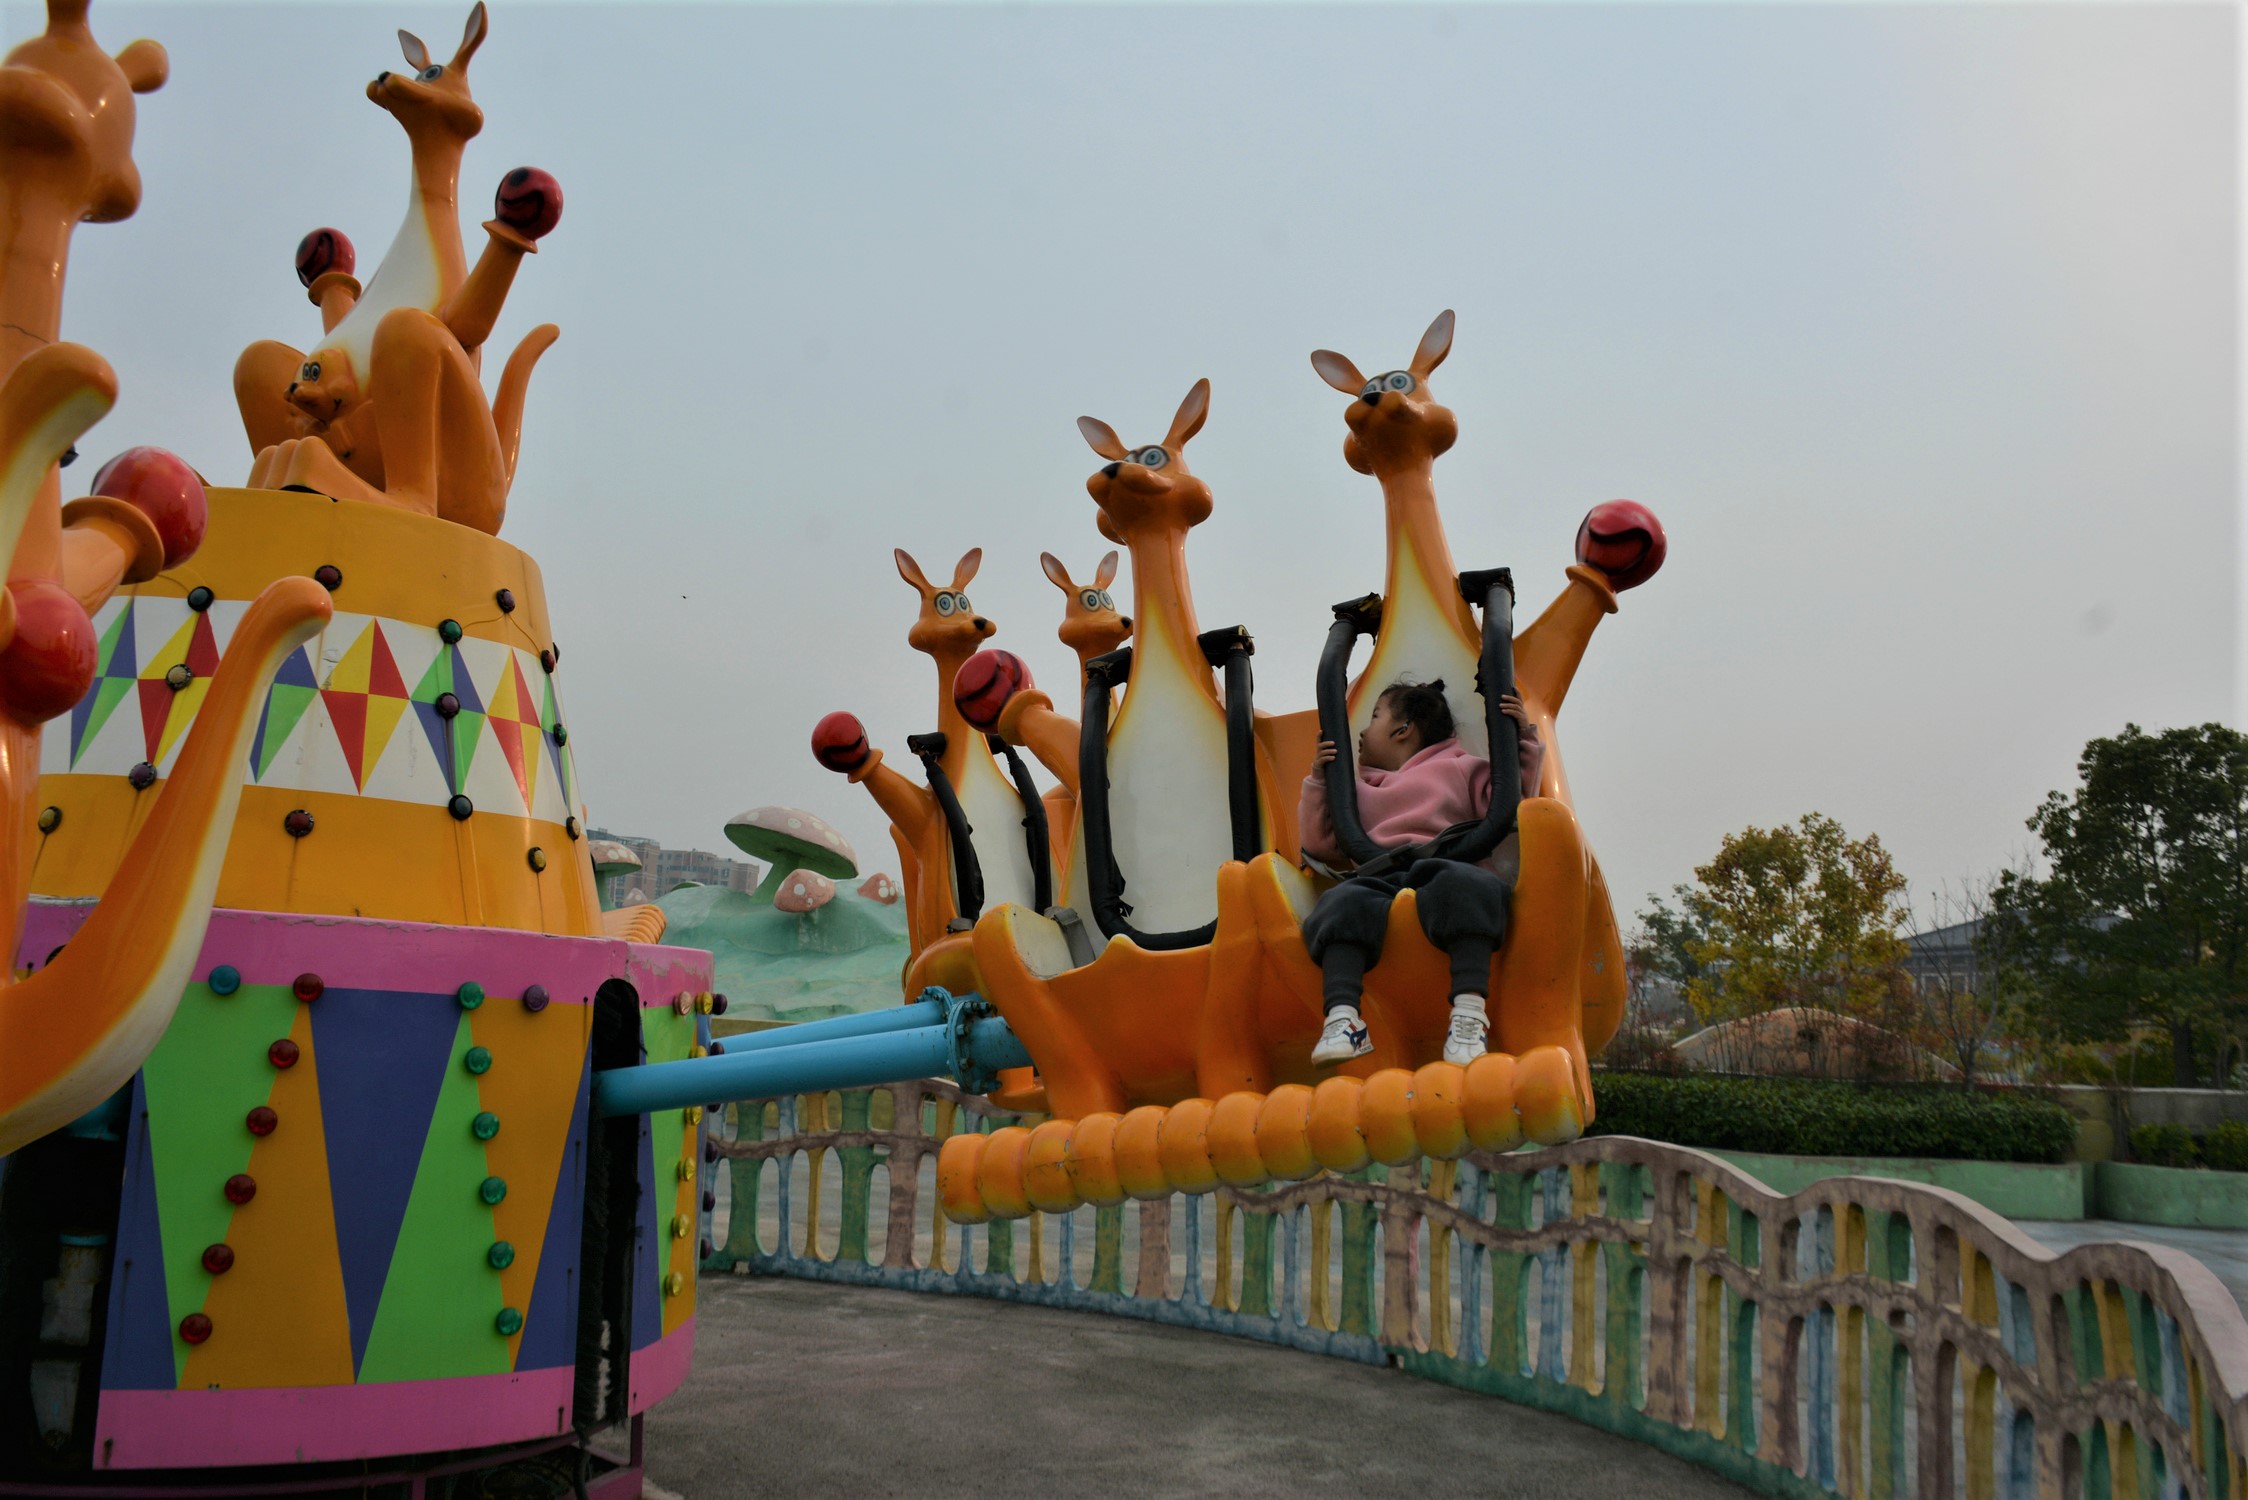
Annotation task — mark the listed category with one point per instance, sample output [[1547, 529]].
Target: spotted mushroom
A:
[[804, 891], [611, 858], [793, 840], [879, 887]]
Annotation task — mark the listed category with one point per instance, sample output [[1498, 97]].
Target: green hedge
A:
[[1819, 1117], [2224, 1148]]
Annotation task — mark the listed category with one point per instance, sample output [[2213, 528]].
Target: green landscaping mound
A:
[[773, 965]]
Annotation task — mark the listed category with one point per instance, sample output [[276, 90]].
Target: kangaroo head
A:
[[433, 100], [324, 388], [66, 113], [948, 626], [1396, 422], [1144, 489], [1090, 624]]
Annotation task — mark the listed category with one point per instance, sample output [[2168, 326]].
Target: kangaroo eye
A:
[[944, 604], [1091, 599], [310, 370], [1108, 600], [960, 604], [1151, 458], [431, 73], [1398, 380]]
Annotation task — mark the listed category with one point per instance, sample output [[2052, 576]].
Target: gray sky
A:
[[1916, 325]]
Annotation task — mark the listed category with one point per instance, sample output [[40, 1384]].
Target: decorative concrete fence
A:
[[1862, 1337]]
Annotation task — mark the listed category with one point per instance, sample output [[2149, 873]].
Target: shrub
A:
[[2226, 1147], [2162, 1145], [1821, 1117]]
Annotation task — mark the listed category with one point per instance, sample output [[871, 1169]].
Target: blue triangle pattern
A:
[[550, 1323], [383, 1056], [296, 671], [137, 1355], [440, 739]]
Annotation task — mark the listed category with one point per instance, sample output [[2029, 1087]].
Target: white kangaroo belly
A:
[[408, 276], [1167, 792], [996, 815], [1420, 640]]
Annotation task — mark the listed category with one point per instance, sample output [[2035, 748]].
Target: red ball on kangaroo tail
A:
[[1624, 541], [165, 488], [529, 202], [322, 251], [50, 663], [984, 683], [839, 742]]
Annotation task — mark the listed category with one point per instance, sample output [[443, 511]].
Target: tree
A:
[[1797, 915], [1973, 990], [2144, 918]]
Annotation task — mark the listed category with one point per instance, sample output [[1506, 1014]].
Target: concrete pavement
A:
[[803, 1388]]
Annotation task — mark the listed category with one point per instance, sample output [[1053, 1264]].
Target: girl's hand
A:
[[1511, 706], [1324, 754]]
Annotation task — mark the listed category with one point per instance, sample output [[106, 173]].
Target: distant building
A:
[[662, 869]]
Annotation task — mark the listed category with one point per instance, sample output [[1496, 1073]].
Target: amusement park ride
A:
[[348, 1137]]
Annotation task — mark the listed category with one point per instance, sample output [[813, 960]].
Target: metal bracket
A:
[[961, 1013]]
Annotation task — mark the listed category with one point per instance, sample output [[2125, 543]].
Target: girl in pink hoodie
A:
[[1414, 781]]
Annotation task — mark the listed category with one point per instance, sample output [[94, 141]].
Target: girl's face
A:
[[1387, 741]]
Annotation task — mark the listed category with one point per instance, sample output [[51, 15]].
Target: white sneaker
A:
[[1344, 1038], [1470, 1034]]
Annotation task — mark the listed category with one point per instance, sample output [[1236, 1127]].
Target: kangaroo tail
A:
[[507, 407]]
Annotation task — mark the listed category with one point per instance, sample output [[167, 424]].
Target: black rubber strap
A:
[[1037, 838], [1230, 650], [967, 873]]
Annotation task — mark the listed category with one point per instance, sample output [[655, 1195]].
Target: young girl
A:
[[1414, 781]]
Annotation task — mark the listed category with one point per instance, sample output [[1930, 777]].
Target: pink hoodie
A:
[[1438, 787]]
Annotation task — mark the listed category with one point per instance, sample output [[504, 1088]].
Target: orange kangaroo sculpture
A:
[[73, 1033], [949, 631], [1131, 1026], [1090, 627], [390, 408], [1557, 986]]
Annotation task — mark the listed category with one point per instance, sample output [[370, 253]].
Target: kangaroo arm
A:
[[335, 293], [1029, 719], [910, 807], [471, 311], [73, 1033], [46, 404], [106, 543], [1546, 655]]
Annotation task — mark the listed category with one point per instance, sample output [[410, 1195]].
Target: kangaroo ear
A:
[[145, 66], [1107, 573], [966, 569], [417, 56], [1337, 371], [1193, 412], [1102, 436], [910, 570], [1056, 573], [472, 35], [1435, 344]]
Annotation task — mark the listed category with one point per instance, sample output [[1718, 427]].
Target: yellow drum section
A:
[[412, 762]]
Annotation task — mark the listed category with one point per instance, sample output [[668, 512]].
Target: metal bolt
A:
[[142, 776], [218, 1259], [717, 1049], [449, 631], [718, 1005], [494, 1190], [694, 1114], [506, 600], [328, 576], [308, 987], [199, 598], [224, 980], [570, 827], [298, 823], [710, 1200], [509, 1322], [50, 819], [195, 1328], [536, 858], [241, 1188], [561, 734], [179, 676], [261, 1120], [470, 995], [460, 807], [477, 1060], [681, 1226], [501, 1255], [447, 705], [484, 1126], [674, 1284], [546, 661], [685, 1170], [282, 1054], [534, 998]]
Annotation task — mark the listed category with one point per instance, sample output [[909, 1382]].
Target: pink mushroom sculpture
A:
[[793, 841], [880, 887], [803, 891]]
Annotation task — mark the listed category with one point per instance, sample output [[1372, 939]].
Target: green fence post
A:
[[741, 1223], [858, 1178]]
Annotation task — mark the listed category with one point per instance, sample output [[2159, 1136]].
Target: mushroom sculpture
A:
[[792, 840], [610, 858]]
